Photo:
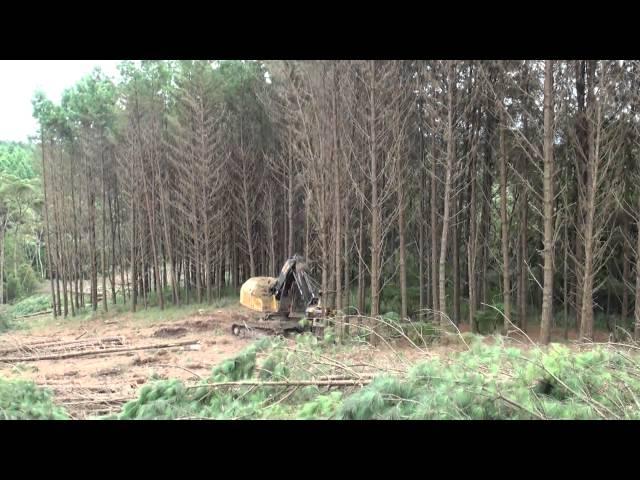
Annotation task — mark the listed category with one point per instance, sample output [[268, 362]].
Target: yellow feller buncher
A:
[[289, 303]]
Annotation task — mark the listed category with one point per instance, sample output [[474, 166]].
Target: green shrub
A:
[[28, 279], [11, 287], [25, 283], [34, 304], [421, 333], [488, 320], [4, 322]]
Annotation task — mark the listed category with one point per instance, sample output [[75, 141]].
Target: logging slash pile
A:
[[56, 350], [271, 379], [493, 382]]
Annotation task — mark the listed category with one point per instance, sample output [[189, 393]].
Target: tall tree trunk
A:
[[347, 263], [58, 302], [586, 317], [207, 259], [626, 270], [442, 301], [375, 206], [76, 236], [522, 307], [420, 225], [133, 263], [506, 284], [154, 250], [248, 230], [92, 251], [485, 214], [113, 251], [636, 329], [338, 199], [547, 289], [121, 255], [325, 264], [472, 244], [401, 248], [426, 269], [565, 289], [170, 252], [434, 235], [290, 194], [104, 239], [456, 269], [421, 264], [361, 283], [582, 155], [46, 217], [198, 257], [307, 224]]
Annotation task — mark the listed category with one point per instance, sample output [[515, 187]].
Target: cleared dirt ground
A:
[[99, 382], [93, 367], [101, 364]]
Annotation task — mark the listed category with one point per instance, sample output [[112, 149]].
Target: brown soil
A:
[[171, 332]]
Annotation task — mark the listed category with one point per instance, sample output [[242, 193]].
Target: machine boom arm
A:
[[293, 272]]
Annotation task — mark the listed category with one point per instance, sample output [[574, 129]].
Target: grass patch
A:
[[144, 316]]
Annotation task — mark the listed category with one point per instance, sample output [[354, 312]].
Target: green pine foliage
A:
[[322, 407], [494, 382], [485, 382], [170, 399], [22, 400]]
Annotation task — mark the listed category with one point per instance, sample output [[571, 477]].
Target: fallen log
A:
[[107, 351], [53, 344], [86, 390], [74, 401], [288, 383], [44, 312], [40, 344]]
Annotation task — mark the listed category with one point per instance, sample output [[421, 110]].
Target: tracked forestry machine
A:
[[289, 304]]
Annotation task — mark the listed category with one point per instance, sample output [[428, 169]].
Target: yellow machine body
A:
[[255, 294]]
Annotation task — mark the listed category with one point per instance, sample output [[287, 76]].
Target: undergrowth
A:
[[33, 304], [10, 316]]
